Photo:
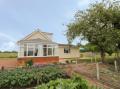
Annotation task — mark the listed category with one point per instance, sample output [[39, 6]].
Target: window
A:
[[25, 50], [21, 50], [30, 49], [25, 53], [36, 50], [66, 50], [50, 51], [53, 51], [44, 50]]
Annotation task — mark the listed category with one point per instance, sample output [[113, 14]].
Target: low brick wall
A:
[[38, 60]]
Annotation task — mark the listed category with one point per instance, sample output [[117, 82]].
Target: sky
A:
[[19, 18]]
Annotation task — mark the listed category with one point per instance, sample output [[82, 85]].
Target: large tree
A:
[[99, 25]]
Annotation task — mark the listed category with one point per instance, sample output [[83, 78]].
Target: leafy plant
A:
[[29, 76], [29, 63], [76, 82]]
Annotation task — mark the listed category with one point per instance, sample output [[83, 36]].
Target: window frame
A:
[[67, 50]]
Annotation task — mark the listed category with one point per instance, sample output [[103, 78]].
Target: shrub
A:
[[29, 76], [75, 82], [29, 63]]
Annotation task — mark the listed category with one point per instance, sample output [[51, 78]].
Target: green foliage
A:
[[28, 77], [90, 48], [8, 51], [76, 82], [8, 55], [29, 63], [99, 25]]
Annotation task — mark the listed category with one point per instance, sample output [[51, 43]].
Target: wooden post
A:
[[115, 63], [95, 58], [76, 60], [97, 69]]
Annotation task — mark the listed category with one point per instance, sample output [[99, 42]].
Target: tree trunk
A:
[[103, 56]]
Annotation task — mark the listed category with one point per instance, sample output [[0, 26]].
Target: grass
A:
[[8, 55], [89, 56], [86, 57]]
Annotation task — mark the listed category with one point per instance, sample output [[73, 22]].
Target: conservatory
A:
[[37, 50]]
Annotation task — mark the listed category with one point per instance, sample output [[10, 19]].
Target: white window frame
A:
[[40, 47]]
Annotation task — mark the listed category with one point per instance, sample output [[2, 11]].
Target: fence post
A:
[[98, 73], [76, 61], [115, 63], [95, 58]]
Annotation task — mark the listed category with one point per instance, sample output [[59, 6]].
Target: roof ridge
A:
[[38, 30]]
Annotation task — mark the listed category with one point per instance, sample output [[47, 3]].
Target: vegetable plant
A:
[[24, 77]]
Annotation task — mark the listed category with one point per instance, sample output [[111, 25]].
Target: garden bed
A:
[[42, 77], [29, 77]]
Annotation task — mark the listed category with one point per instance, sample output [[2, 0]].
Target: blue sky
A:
[[18, 18]]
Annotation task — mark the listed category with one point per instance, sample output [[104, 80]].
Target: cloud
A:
[[7, 43]]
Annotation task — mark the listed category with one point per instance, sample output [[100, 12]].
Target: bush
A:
[[29, 63], [26, 77], [75, 82]]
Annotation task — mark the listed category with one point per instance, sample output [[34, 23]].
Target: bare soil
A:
[[8, 62]]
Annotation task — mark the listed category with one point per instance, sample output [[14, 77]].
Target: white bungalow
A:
[[39, 47]]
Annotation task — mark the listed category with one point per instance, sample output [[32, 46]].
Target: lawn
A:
[[8, 55], [87, 57]]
